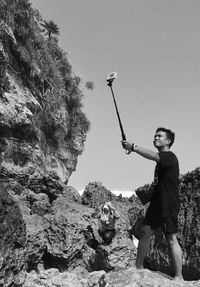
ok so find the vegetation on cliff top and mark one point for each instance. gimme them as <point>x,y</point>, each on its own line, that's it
<point>43,67</point>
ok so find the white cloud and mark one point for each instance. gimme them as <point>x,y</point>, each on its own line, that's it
<point>123,193</point>
<point>117,192</point>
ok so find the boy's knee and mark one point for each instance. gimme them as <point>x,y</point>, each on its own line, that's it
<point>171,238</point>
<point>172,241</point>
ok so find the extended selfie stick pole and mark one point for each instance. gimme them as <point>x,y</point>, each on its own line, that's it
<point>110,80</point>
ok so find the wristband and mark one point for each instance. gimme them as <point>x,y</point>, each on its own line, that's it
<point>133,147</point>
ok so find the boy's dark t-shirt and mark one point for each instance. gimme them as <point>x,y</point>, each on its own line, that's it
<point>165,201</point>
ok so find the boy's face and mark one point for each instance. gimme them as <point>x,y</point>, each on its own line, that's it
<point>161,140</point>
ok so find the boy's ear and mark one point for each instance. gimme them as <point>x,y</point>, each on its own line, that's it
<point>169,141</point>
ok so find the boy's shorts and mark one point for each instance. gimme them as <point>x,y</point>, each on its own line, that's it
<point>169,225</point>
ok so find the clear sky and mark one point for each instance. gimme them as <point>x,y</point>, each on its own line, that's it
<point>154,46</point>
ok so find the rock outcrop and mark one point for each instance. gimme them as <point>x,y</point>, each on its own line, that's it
<point>130,277</point>
<point>189,230</point>
<point>54,240</point>
<point>133,277</point>
<point>43,230</point>
<point>40,100</point>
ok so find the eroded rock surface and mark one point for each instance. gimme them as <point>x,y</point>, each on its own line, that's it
<point>189,230</point>
<point>55,233</point>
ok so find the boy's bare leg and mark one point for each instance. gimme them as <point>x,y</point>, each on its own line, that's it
<point>176,255</point>
<point>143,245</point>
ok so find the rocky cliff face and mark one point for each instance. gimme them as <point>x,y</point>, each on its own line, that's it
<point>29,148</point>
<point>40,99</point>
<point>42,122</point>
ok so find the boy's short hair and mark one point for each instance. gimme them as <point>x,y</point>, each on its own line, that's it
<point>170,134</point>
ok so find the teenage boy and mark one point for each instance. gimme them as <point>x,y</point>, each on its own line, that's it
<point>165,202</point>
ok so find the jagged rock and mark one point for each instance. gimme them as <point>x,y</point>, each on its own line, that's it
<point>41,205</point>
<point>53,278</point>
<point>48,184</point>
<point>95,279</point>
<point>133,277</point>
<point>39,157</point>
<point>120,254</point>
<point>57,234</point>
<point>130,277</point>
<point>28,108</point>
<point>66,241</point>
<point>12,241</point>
<point>2,57</point>
<point>96,194</point>
<point>188,235</point>
<point>189,219</point>
<point>20,121</point>
<point>3,65</point>
<point>7,33</point>
<point>72,193</point>
<point>136,216</point>
<point>36,240</point>
<point>34,232</point>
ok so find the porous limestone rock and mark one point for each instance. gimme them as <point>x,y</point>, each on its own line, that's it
<point>188,233</point>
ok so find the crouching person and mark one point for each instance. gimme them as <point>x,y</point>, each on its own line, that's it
<point>107,220</point>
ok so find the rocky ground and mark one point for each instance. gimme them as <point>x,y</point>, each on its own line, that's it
<point>56,244</point>
<point>123,278</point>
<point>144,278</point>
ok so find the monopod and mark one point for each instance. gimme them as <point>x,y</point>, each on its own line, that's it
<point>111,77</point>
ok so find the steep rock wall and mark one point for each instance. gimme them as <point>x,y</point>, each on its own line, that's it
<point>40,99</point>
<point>28,146</point>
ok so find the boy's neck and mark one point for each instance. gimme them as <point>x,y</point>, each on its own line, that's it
<point>164,148</point>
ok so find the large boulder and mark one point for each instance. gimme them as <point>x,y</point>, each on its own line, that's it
<point>120,254</point>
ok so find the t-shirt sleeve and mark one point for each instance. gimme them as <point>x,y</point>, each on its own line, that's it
<point>166,159</point>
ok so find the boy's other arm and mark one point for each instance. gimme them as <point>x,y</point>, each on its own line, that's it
<point>144,152</point>
<point>147,153</point>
